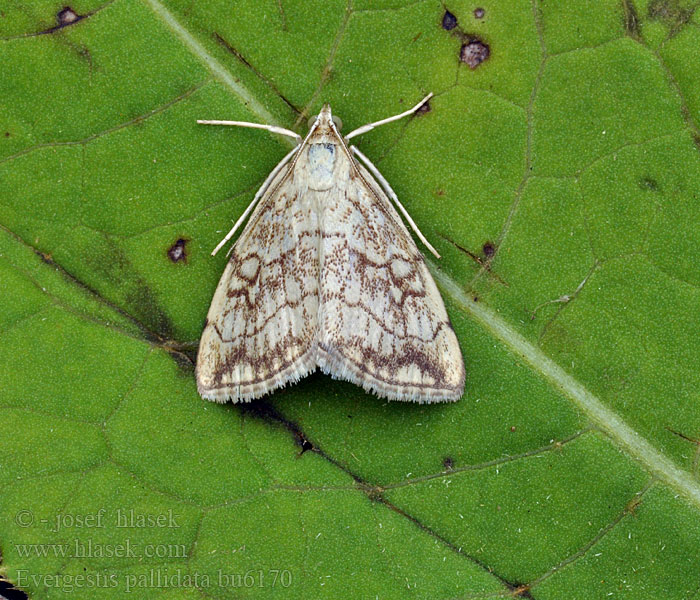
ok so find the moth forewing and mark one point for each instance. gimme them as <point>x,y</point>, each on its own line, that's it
<point>325,274</point>
<point>262,321</point>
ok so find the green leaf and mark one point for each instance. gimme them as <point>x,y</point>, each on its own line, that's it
<point>559,179</point>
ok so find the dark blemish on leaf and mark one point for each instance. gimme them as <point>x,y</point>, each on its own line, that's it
<point>671,14</point>
<point>417,36</point>
<point>512,429</point>
<point>520,590</point>
<point>474,53</point>
<point>484,264</point>
<point>144,302</point>
<point>131,292</point>
<point>488,249</point>
<point>265,411</point>
<point>373,492</point>
<point>448,463</point>
<point>647,183</point>
<point>449,21</point>
<point>92,260</point>
<point>7,134</point>
<point>479,13</point>
<point>424,108</point>
<point>64,18</point>
<point>476,298</point>
<point>67,16</point>
<point>184,360</point>
<point>631,20</point>
<point>632,505</point>
<point>659,10</point>
<point>177,252</point>
<point>469,253</point>
<point>305,445</point>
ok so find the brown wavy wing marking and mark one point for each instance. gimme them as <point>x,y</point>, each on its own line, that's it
<point>261,326</point>
<point>382,322</point>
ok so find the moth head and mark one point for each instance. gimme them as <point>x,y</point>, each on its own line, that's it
<point>325,117</point>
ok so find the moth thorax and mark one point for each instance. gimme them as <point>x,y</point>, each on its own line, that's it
<point>322,165</point>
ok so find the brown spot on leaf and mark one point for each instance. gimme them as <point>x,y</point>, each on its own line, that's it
<point>521,590</point>
<point>424,108</point>
<point>67,16</point>
<point>177,252</point>
<point>474,53</point>
<point>512,429</point>
<point>632,505</point>
<point>488,249</point>
<point>305,444</point>
<point>449,21</point>
<point>373,492</point>
<point>479,13</point>
<point>671,13</point>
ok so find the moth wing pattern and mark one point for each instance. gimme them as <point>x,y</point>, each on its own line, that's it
<point>326,274</point>
<point>261,327</point>
<point>382,321</point>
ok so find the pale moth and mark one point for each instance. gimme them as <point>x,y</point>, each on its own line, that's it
<point>326,275</point>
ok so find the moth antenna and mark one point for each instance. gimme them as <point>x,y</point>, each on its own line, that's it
<point>270,128</point>
<point>370,126</point>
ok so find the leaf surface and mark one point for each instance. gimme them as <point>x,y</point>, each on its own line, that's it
<point>559,179</point>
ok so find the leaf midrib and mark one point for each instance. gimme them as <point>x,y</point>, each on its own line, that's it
<point>600,415</point>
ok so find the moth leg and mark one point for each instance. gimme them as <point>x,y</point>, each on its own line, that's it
<point>370,126</point>
<point>258,195</point>
<point>387,188</point>
<point>270,128</point>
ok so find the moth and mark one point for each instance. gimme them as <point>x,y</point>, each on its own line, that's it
<point>326,275</point>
